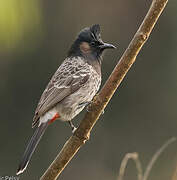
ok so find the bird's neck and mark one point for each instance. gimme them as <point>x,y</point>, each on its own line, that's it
<point>97,67</point>
<point>94,61</point>
<point>92,58</point>
<point>74,50</point>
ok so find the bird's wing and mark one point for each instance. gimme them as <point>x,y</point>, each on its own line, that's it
<point>68,78</point>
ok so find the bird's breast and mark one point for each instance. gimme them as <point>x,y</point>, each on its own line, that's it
<point>68,107</point>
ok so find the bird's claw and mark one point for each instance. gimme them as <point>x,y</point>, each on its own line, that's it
<point>73,129</point>
<point>85,104</point>
<point>87,108</point>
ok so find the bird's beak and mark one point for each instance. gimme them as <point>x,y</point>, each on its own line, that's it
<point>107,46</point>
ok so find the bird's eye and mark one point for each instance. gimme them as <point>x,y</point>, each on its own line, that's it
<point>93,43</point>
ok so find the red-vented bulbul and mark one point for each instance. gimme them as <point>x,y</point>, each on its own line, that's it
<point>71,88</point>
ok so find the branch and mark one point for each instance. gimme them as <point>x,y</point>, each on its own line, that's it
<point>82,133</point>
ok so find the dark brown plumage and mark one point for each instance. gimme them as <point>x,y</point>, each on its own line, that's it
<point>74,85</point>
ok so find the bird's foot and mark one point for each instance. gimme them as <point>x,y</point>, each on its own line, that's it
<point>87,107</point>
<point>84,104</point>
<point>73,128</point>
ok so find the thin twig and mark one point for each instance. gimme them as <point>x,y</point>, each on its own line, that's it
<point>134,156</point>
<point>101,100</point>
<point>156,156</point>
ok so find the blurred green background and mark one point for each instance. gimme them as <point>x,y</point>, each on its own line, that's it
<point>34,39</point>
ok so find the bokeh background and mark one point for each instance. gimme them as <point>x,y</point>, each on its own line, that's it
<point>34,39</point>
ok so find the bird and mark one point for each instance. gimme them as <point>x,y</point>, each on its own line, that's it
<point>71,88</point>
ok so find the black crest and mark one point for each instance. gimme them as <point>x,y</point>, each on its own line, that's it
<point>95,31</point>
<point>90,33</point>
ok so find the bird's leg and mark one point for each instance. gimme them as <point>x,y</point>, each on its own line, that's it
<point>73,128</point>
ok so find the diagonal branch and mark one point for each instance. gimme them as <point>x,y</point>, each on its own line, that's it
<point>101,100</point>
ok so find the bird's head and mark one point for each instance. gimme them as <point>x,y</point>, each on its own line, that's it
<point>89,43</point>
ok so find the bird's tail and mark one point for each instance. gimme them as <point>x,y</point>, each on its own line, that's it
<point>31,147</point>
